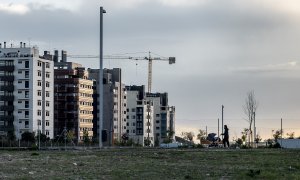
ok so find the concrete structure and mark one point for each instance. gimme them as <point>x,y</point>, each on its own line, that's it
<point>163,114</point>
<point>73,99</point>
<point>140,121</point>
<point>289,143</point>
<point>115,103</point>
<point>26,91</point>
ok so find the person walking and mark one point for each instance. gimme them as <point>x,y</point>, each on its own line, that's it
<point>226,136</point>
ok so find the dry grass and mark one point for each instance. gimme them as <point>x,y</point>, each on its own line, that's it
<point>151,164</point>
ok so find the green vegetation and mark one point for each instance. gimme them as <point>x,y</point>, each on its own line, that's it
<point>146,163</point>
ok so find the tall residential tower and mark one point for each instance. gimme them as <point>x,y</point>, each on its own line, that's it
<point>26,91</point>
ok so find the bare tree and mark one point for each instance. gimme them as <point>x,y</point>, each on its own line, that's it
<point>249,109</point>
<point>201,135</point>
<point>188,136</point>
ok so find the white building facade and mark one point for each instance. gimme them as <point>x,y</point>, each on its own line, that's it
<point>26,93</point>
<point>140,121</point>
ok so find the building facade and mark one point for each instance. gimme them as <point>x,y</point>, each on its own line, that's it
<point>164,117</point>
<point>140,121</point>
<point>26,91</point>
<point>73,98</point>
<point>115,103</point>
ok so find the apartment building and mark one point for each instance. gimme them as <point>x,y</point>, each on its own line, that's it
<point>140,121</point>
<point>26,91</point>
<point>114,106</point>
<point>73,108</point>
<point>163,114</point>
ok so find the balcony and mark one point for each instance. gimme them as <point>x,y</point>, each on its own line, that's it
<point>9,88</point>
<point>7,98</point>
<point>7,118</point>
<point>7,78</point>
<point>7,68</point>
<point>6,108</point>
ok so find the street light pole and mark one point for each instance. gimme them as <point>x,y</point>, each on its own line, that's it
<point>102,11</point>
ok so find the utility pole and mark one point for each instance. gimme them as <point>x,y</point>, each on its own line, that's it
<point>102,11</point>
<point>222,119</point>
<point>206,130</point>
<point>254,127</point>
<point>281,132</point>
<point>218,128</point>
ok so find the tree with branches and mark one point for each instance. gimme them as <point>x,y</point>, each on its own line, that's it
<point>250,108</point>
<point>201,135</point>
<point>188,136</point>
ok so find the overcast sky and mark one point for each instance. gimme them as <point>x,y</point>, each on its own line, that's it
<point>223,48</point>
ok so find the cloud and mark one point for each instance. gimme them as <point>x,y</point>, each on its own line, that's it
<point>19,9</point>
<point>182,2</point>
<point>289,66</point>
<point>23,7</point>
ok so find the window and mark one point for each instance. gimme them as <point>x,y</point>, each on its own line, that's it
<point>26,114</point>
<point>47,133</point>
<point>39,103</point>
<point>39,63</point>
<point>39,122</point>
<point>26,124</point>
<point>47,84</point>
<point>26,104</point>
<point>47,65</point>
<point>133,124</point>
<point>39,93</point>
<point>19,102</point>
<point>26,84</point>
<point>157,115</point>
<point>19,92</point>
<point>47,103</point>
<point>26,94</point>
<point>39,83</point>
<point>47,113</point>
<point>39,73</point>
<point>47,123</point>
<point>47,94</point>
<point>133,110</point>
<point>26,74</point>
<point>19,61</point>
<point>39,112</point>
<point>26,64</point>
<point>19,72</point>
<point>20,82</point>
<point>133,117</point>
<point>47,75</point>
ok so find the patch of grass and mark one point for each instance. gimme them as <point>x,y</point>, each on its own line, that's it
<point>151,164</point>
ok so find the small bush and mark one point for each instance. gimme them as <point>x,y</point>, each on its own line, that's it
<point>34,154</point>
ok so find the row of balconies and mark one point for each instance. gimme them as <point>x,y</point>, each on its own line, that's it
<point>7,118</point>
<point>7,98</point>
<point>7,78</point>
<point>9,88</point>
<point>7,68</point>
<point>6,108</point>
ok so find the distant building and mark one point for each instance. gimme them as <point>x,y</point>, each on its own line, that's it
<point>140,121</point>
<point>73,99</point>
<point>26,91</point>
<point>164,116</point>
<point>115,103</point>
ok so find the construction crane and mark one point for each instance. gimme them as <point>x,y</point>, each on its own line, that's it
<point>148,58</point>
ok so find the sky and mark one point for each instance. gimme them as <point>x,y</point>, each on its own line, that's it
<point>223,50</point>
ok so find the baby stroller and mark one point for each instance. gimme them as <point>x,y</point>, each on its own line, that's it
<point>213,139</point>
